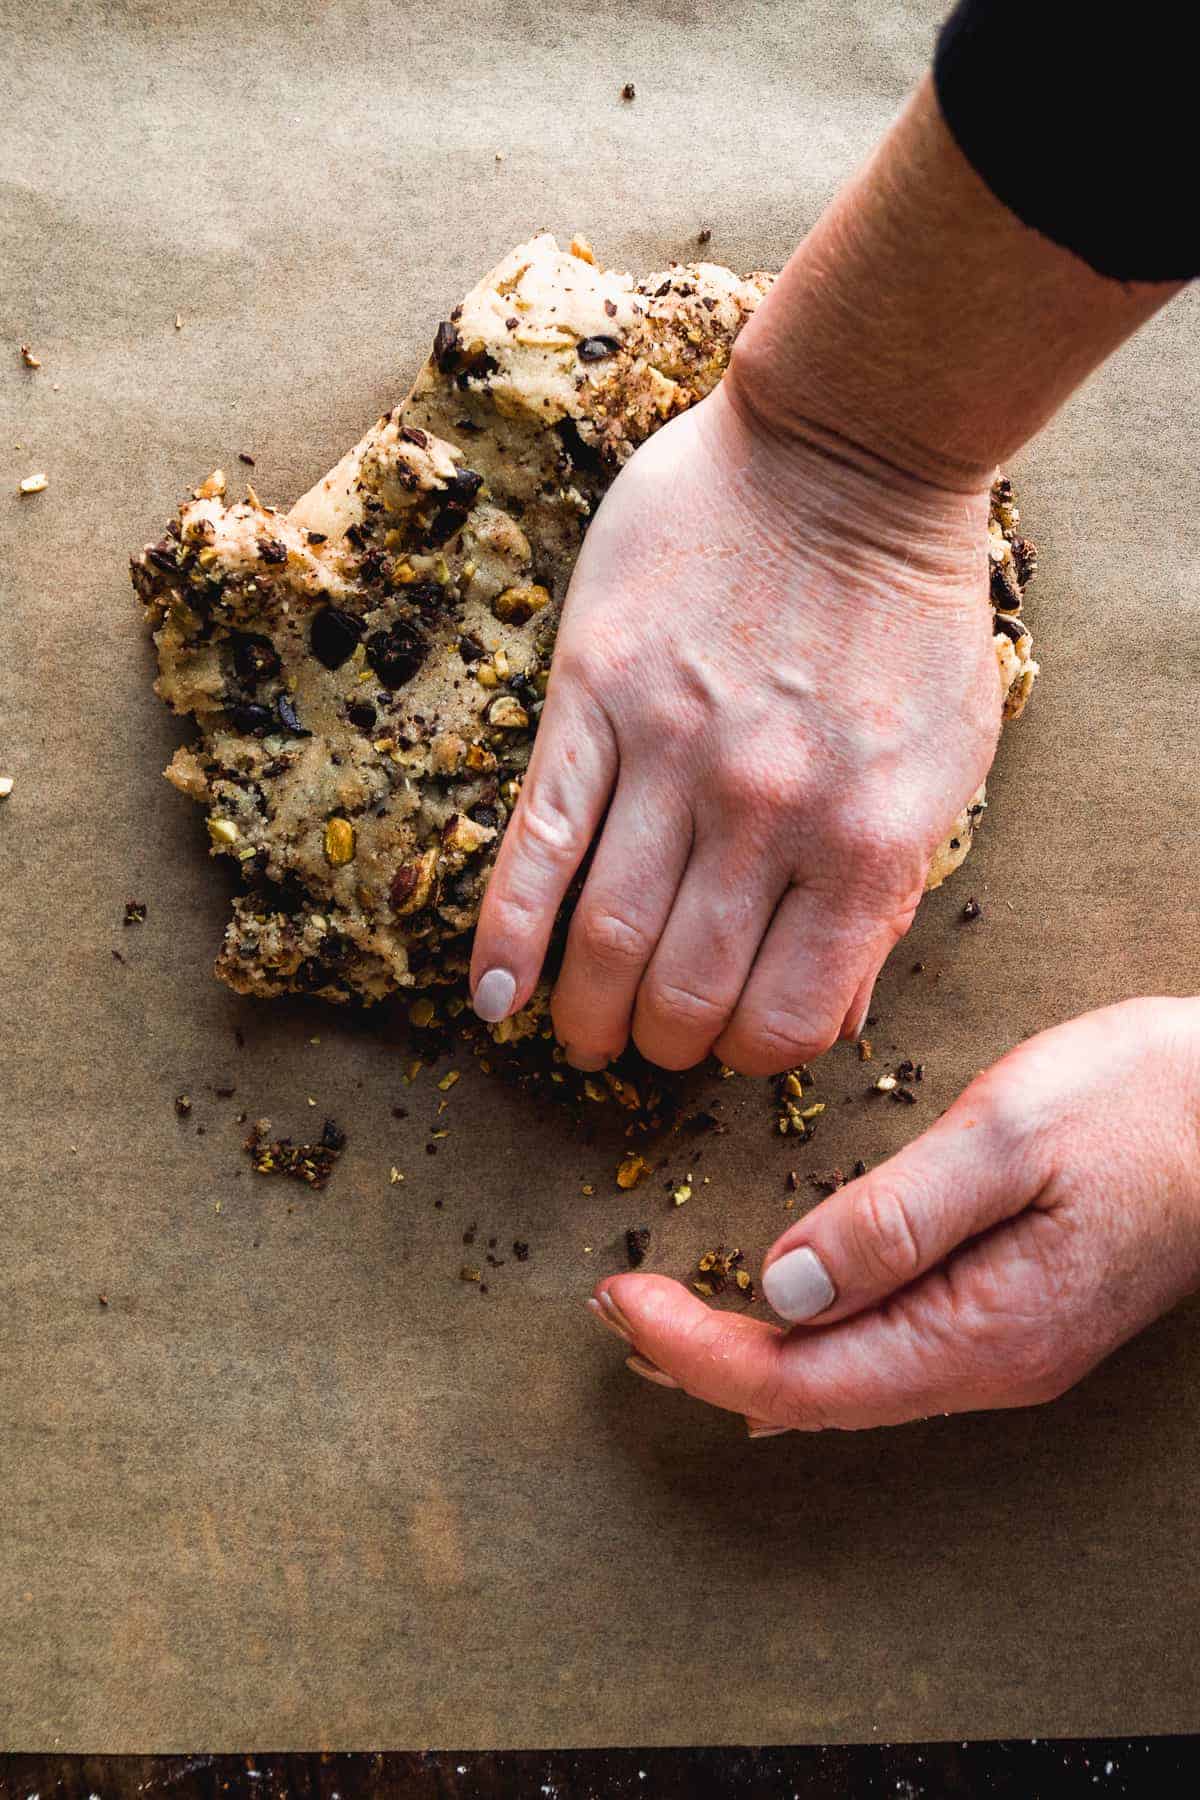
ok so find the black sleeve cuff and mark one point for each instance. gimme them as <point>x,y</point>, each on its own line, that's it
<point>1079,120</point>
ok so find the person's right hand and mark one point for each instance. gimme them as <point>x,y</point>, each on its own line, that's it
<point>773,691</point>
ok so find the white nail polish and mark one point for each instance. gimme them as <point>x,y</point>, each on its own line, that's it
<point>797,1285</point>
<point>494,994</point>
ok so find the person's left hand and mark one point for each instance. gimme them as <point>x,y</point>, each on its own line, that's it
<point>1052,1212</point>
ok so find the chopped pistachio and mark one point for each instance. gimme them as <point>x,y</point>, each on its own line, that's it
<point>223,831</point>
<point>631,1169</point>
<point>813,1111</point>
<point>486,676</point>
<point>394,1175</point>
<point>422,1012</point>
<point>339,842</point>
<point>33,484</point>
<point>681,1194</point>
<point>448,1080</point>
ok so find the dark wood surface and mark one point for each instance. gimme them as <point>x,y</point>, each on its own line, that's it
<point>1111,1768</point>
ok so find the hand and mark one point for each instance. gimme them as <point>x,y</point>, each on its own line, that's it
<point>774,688</point>
<point>1048,1215</point>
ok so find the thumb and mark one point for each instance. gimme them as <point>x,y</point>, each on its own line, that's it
<point>563,797</point>
<point>876,1235</point>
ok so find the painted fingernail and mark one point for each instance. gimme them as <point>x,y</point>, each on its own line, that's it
<point>494,994</point>
<point>650,1371</point>
<point>797,1285</point>
<point>609,1322</point>
<point>756,1430</point>
<point>616,1315</point>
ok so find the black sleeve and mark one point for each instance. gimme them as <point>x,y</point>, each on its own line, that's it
<point>1084,121</point>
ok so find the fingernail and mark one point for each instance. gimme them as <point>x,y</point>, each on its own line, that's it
<point>494,994</point>
<point>755,1430</point>
<point>610,1307</point>
<point>609,1323</point>
<point>650,1371</point>
<point>797,1285</point>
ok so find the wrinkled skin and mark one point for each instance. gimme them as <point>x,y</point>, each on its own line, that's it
<point>1051,1213</point>
<point>773,690</point>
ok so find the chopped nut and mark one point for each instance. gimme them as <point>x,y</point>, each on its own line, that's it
<point>865,1052</point>
<point>507,714</point>
<point>6,786</point>
<point>339,842</point>
<point>486,676</point>
<point>885,1084</point>
<point>394,1175</point>
<point>681,1194</point>
<point>422,1012</point>
<point>413,883</point>
<point>469,1273</point>
<point>448,1080</point>
<point>631,1169</point>
<point>518,604</point>
<point>582,249</point>
<point>183,1105</point>
<point>33,484</point>
<point>29,359</point>
<point>213,488</point>
<point>222,831</point>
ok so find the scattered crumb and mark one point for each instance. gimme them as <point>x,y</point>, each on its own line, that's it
<point>865,1051</point>
<point>183,1105</point>
<point>135,912</point>
<point>499,156</point>
<point>29,359</point>
<point>103,1299</point>
<point>469,1273</point>
<point>631,1169</point>
<point>6,786</point>
<point>394,1175</point>
<point>637,1242</point>
<point>178,322</point>
<point>885,1084</point>
<point>972,910</point>
<point>629,92</point>
<point>520,1250</point>
<point>245,456</point>
<point>717,1268</point>
<point>311,1163</point>
<point>33,484</point>
<point>681,1194</point>
<point>704,235</point>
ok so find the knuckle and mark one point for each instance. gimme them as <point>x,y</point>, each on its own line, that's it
<point>544,830</point>
<point>778,1040</point>
<point>671,1005</point>
<point>606,937</point>
<point>883,1234</point>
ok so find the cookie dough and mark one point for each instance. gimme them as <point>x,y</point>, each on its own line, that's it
<point>366,671</point>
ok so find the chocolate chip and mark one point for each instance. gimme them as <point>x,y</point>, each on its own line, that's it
<point>317,537</point>
<point>470,648</point>
<point>483,814</point>
<point>446,347</point>
<point>413,435</point>
<point>362,714</point>
<point>1011,627</point>
<point>333,635</point>
<point>288,717</point>
<point>1006,594</point>
<point>255,659</point>
<point>249,716</point>
<point>704,236</point>
<point>397,653</point>
<point>272,551</point>
<point>162,560</point>
<point>595,349</point>
<point>463,486</point>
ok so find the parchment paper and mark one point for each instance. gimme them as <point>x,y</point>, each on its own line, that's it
<point>297,1485</point>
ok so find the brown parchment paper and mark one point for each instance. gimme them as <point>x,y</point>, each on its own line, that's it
<point>296,1485</point>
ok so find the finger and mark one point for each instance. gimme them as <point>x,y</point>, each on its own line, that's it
<point>951,1343</point>
<point>625,903</point>
<point>808,970</point>
<point>882,1232</point>
<point>563,798</point>
<point>706,950</point>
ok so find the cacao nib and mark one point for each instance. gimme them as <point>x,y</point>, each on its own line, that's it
<point>272,551</point>
<point>249,716</point>
<point>333,635</point>
<point>288,717</point>
<point>463,486</point>
<point>255,659</point>
<point>362,714</point>
<point>397,653</point>
<point>446,347</point>
<point>470,648</point>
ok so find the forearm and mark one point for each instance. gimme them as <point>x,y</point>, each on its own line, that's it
<point>922,323</point>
